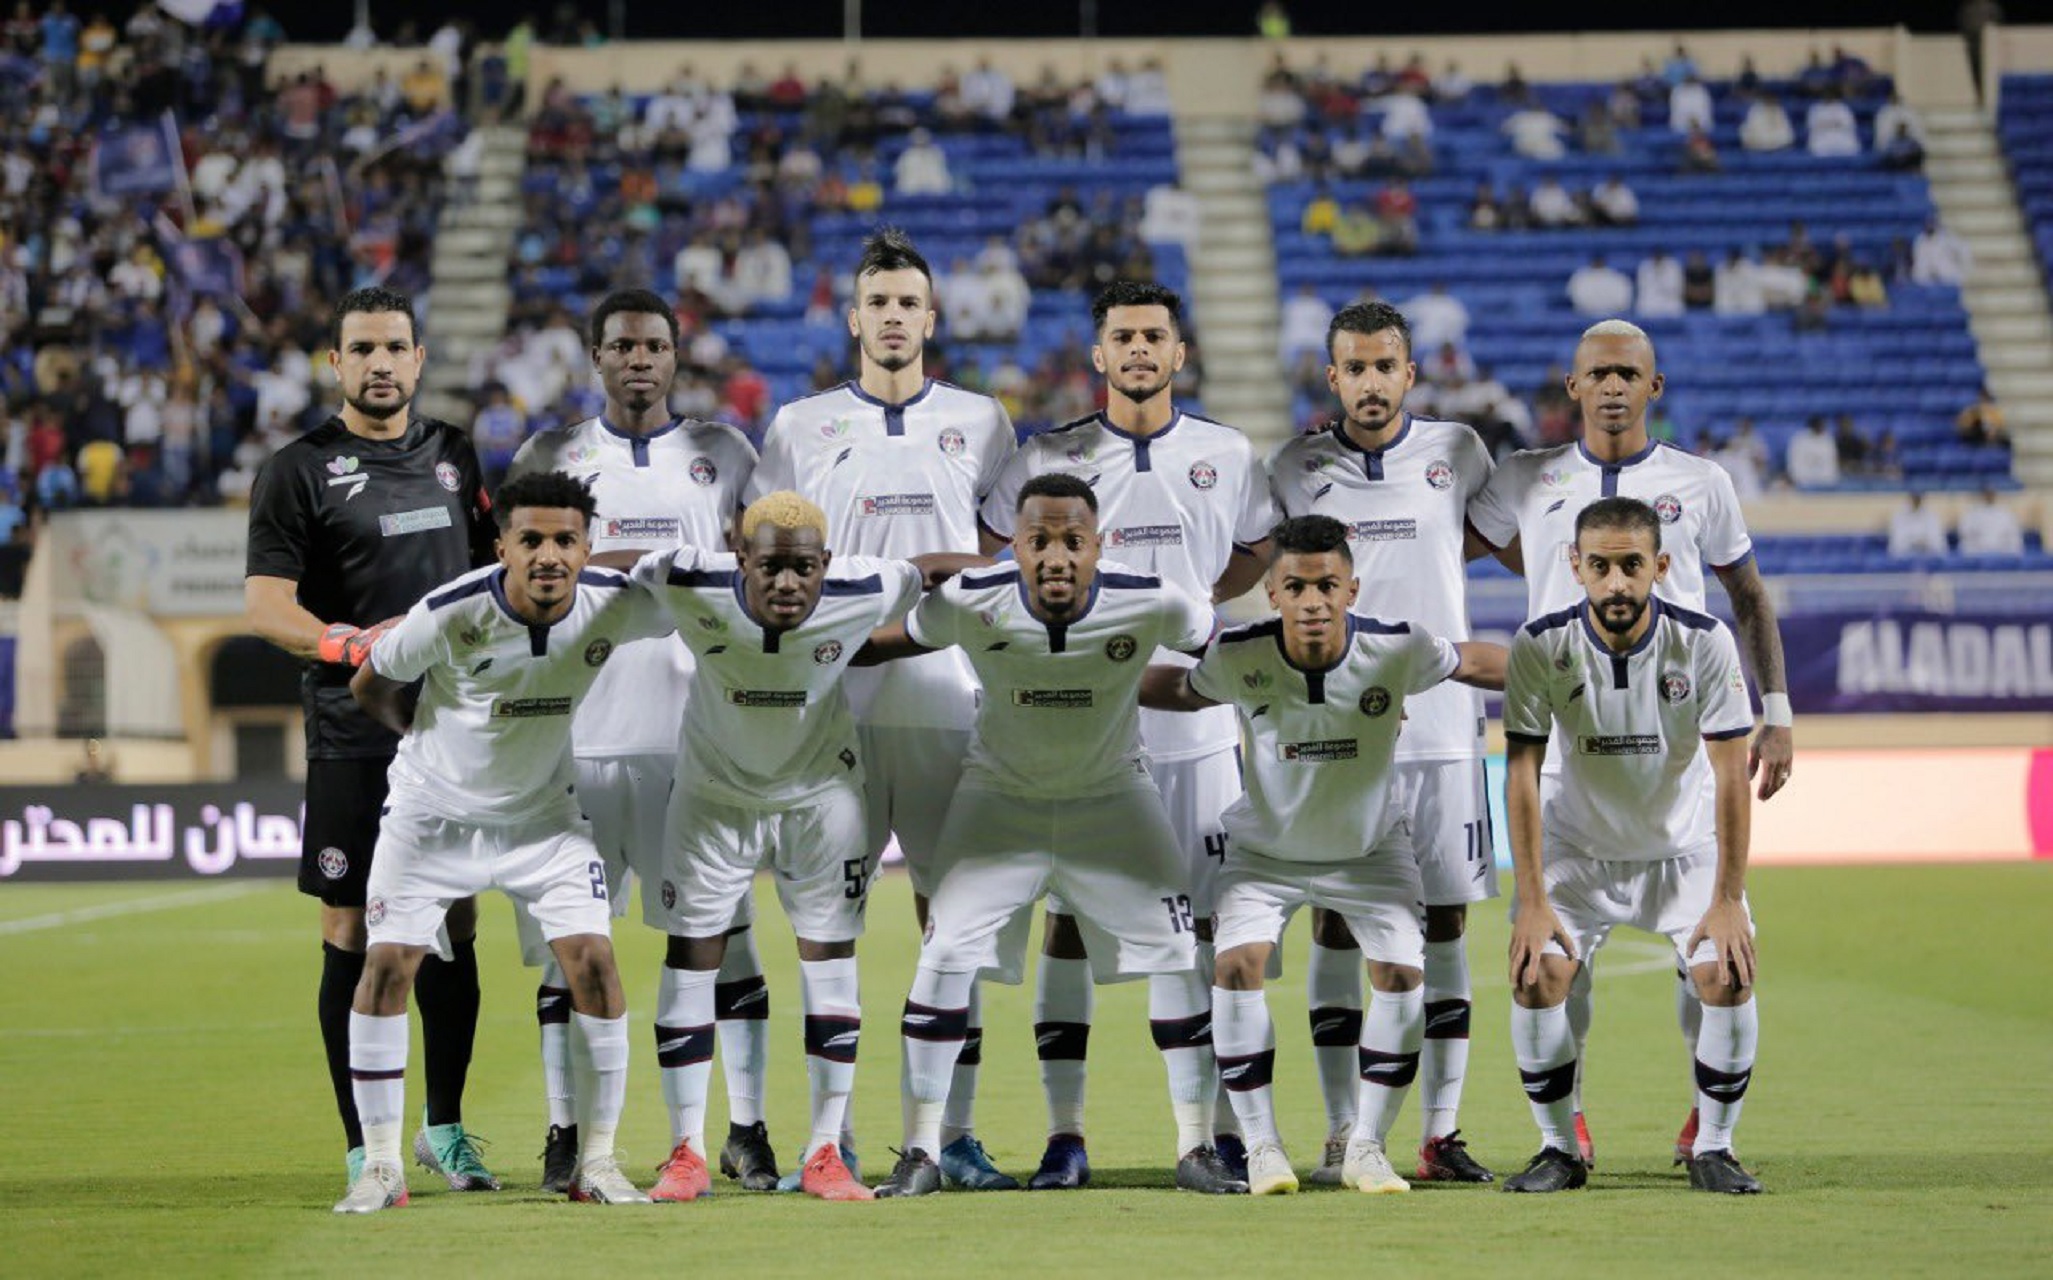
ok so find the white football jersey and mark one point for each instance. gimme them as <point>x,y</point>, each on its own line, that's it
<point>1173,504</point>
<point>895,481</point>
<point>1537,494</point>
<point>678,486</point>
<point>1635,784</point>
<point>1061,711</point>
<point>1405,507</point>
<point>1323,741</point>
<point>767,725</point>
<point>491,734</point>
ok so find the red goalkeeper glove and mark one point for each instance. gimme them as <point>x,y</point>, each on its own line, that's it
<point>348,646</point>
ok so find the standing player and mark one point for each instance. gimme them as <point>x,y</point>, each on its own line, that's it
<point>1401,486</point>
<point>660,482</point>
<point>352,523</point>
<point>769,778</point>
<point>483,796</point>
<point>1322,692</point>
<point>1646,827</point>
<point>1183,497</point>
<point>1057,797</point>
<point>1529,510</point>
<point>898,461</point>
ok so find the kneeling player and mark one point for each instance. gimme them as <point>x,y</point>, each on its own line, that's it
<point>1321,691</point>
<point>481,797</point>
<point>1648,828</point>
<point>769,778</point>
<point>1056,798</point>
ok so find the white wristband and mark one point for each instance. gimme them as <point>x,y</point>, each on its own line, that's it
<point>1775,712</point>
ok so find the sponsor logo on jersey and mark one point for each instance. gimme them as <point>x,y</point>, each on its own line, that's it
<point>1317,462</point>
<point>836,429</point>
<point>953,443</point>
<point>896,504</point>
<point>767,697</point>
<point>481,668</point>
<point>1674,686</point>
<point>642,528</point>
<point>847,759</point>
<point>1375,700</point>
<point>1619,744</point>
<point>598,651</point>
<point>1738,681</point>
<point>1668,507</point>
<point>1317,752</point>
<point>1322,491</point>
<point>346,473</point>
<point>400,523</point>
<point>578,455</point>
<point>707,622</point>
<point>1556,505</point>
<point>1052,699</point>
<point>1146,535</point>
<point>1257,679</point>
<point>1439,474</point>
<point>527,708</point>
<point>1121,647</point>
<point>843,456</point>
<point>703,471</point>
<point>333,862</point>
<point>1383,530</point>
<point>669,895</point>
<point>470,637</point>
<point>1555,476</point>
<point>1081,451</point>
<point>827,654</point>
<point>447,474</point>
<point>1203,475</point>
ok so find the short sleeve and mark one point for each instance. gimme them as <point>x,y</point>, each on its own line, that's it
<point>936,621</point>
<point>1494,508</point>
<point>484,530</point>
<point>776,470</point>
<point>1283,490</point>
<point>1187,624</point>
<point>1722,539</point>
<point>1213,676</point>
<point>1723,710</point>
<point>407,651</point>
<point>280,523</point>
<point>997,510</point>
<point>1473,465</point>
<point>533,456</point>
<point>1004,447</point>
<point>1257,507</point>
<point>738,470</point>
<point>652,571</point>
<point>1431,660</point>
<point>1528,714</point>
<point>903,583</point>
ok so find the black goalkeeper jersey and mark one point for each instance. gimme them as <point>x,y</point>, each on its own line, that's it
<point>366,528</point>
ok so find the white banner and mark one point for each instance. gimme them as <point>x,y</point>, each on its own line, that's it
<point>164,563</point>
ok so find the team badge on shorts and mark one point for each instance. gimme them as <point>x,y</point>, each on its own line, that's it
<point>1674,686</point>
<point>374,911</point>
<point>1375,700</point>
<point>1439,474</point>
<point>1203,475</point>
<point>703,471</point>
<point>333,862</point>
<point>952,443</point>
<point>827,654</point>
<point>446,473</point>
<point>1668,507</point>
<point>1120,648</point>
<point>669,895</point>
<point>598,651</point>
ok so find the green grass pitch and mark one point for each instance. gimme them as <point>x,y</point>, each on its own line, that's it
<point>166,1113</point>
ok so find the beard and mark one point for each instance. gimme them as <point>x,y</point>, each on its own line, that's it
<point>893,361</point>
<point>1609,621</point>
<point>1141,392</point>
<point>364,405</point>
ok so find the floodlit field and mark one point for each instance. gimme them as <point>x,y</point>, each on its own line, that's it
<point>167,1113</point>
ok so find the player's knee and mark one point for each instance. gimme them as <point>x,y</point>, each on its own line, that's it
<point>388,978</point>
<point>1062,939</point>
<point>812,952</point>
<point>343,929</point>
<point>1329,930</point>
<point>1242,968</point>
<point>1557,974</point>
<point>695,953</point>
<point>587,960</point>
<point>1395,979</point>
<point>1446,924</point>
<point>1719,988</point>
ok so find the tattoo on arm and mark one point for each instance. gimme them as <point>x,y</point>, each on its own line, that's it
<point>1759,634</point>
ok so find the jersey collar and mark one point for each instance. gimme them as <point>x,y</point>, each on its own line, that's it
<point>894,414</point>
<point>1058,632</point>
<point>538,633</point>
<point>1142,461</point>
<point>1315,677</point>
<point>639,445</point>
<point>1372,459</point>
<point>1630,460</point>
<point>1621,662</point>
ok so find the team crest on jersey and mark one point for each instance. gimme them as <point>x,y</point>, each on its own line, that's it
<point>1674,686</point>
<point>827,654</point>
<point>374,912</point>
<point>447,474</point>
<point>1375,700</point>
<point>1121,647</point>
<point>1439,474</point>
<point>953,443</point>
<point>1668,507</point>
<point>1203,475</point>
<point>703,471</point>
<point>669,895</point>
<point>598,651</point>
<point>836,429</point>
<point>334,863</point>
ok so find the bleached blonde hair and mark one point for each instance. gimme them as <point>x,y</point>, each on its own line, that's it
<point>1616,329</point>
<point>783,510</point>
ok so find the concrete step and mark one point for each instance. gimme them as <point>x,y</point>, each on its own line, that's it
<point>1951,169</point>
<point>1993,220</point>
<point>1951,145</point>
<point>496,216</point>
<point>1223,182</point>
<point>1252,344</point>
<point>1238,258</point>
<point>2022,328</point>
<point>2024,357</point>
<point>1253,313</point>
<point>467,270</point>
<point>1964,196</point>
<point>1235,231</point>
<point>2027,385</point>
<point>1997,297</point>
<point>463,240</point>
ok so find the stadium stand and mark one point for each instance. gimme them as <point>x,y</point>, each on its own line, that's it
<point>1841,243</point>
<point>2025,126</point>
